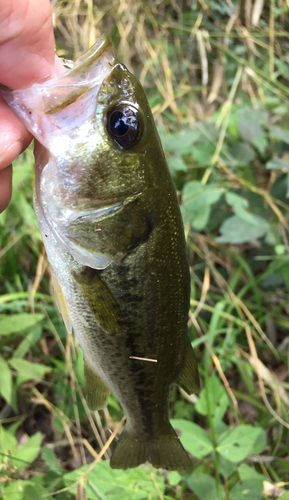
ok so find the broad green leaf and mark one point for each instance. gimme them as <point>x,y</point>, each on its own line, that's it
<point>279,164</point>
<point>176,164</point>
<point>260,444</point>
<point>5,381</point>
<point>249,129</point>
<point>198,219</point>
<point>52,462</point>
<point>174,477</point>
<point>203,153</point>
<point>248,489</point>
<point>29,451</point>
<point>205,486</point>
<point>239,205</point>
<point>237,443</point>
<point>8,444</point>
<point>196,202</point>
<point>242,153</point>
<point>14,491</point>
<point>261,143</point>
<point>35,492</point>
<point>27,370</point>
<point>227,468</point>
<point>235,230</point>
<point>117,484</point>
<point>247,472</point>
<point>181,143</point>
<point>193,438</point>
<point>279,133</point>
<point>260,115</point>
<point>218,399</point>
<point>18,323</point>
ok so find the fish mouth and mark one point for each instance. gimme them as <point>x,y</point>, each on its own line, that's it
<point>88,71</point>
<point>42,107</point>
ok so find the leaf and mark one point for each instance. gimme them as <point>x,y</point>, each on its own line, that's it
<point>180,143</point>
<point>260,444</point>
<point>18,322</point>
<point>14,491</point>
<point>205,486</point>
<point>28,341</point>
<point>5,381</point>
<point>242,153</point>
<point>249,129</point>
<point>117,484</point>
<point>193,438</point>
<point>235,230</point>
<point>248,489</point>
<point>196,202</point>
<point>174,477</point>
<point>237,443</point>
<point>29,451</point>
<point>176,164</point>
<point>48,456</point>
<point>279,133</point>
<point>279,164</point>
<point>260,115</point>
<point>8,443</point>
<point>218,399</point>
<point>247,472</point>
<point>27,370</point>
<point>203,153</point>
<point>239,205</point>
<point>227,468</point>
<point>261,143</point>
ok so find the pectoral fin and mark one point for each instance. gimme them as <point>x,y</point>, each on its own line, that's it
<point>100,300</point>
<point>96,392</point>
<point>61,303</point>
<point>188,378</point>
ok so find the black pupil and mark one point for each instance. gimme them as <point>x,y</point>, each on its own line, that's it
<point>119,124</point>
<point>123,125</point>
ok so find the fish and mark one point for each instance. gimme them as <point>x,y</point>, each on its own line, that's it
<point>110,220</point>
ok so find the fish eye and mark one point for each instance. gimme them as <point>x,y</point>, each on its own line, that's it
<point>124,125</point>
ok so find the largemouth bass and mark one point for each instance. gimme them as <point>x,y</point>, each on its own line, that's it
<point>110,221</point>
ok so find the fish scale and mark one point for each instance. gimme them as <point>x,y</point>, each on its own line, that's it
<point>111,224</point>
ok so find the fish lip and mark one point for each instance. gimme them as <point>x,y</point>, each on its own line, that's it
<point>35,105</point>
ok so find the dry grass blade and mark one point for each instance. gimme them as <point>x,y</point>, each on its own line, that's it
<point>260,379</point>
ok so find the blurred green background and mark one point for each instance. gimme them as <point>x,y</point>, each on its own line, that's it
<point>216,76</point>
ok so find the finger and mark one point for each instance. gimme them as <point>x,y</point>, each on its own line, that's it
<point>14,137</point>
<point>27,46</point>
<point>5,187</point>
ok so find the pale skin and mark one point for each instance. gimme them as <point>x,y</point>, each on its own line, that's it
<point>27,56</point>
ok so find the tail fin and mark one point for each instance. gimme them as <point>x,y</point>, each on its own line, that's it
<point>165,452</point>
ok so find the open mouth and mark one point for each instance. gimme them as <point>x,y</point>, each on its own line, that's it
<point>42,107</point>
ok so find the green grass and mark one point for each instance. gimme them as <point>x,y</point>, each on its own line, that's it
<point>217,84</point>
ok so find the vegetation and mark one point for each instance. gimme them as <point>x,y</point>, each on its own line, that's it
<point>216,77</point>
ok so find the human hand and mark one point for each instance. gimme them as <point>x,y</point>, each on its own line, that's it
<point>27,56</point>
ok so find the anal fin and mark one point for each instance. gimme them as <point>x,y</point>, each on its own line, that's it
<point>96,391</point>
<point>188,379</point>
